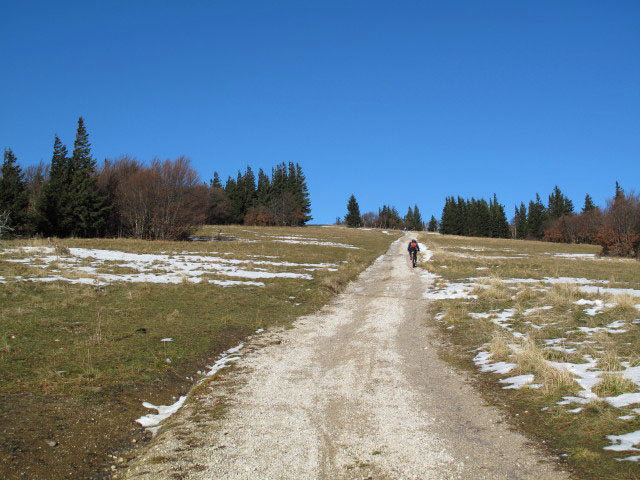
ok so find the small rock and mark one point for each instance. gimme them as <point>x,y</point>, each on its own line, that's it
<point>113,467</point>
<point>133,441</point>
<point>52,443</point>
<point>120,460</point>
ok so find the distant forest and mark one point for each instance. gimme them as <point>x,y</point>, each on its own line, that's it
<point>387,217</point>
<point>616,227</point>
<point>71,196</point>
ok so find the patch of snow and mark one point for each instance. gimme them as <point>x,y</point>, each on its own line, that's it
<point>485,365</point>
<point>315,242</point>
<point>624,442</point>
<point>151,421</point>
<point>575,255</point>
<point>168,339</point>
<point>518,381</point>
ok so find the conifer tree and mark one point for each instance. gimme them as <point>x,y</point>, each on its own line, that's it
<point>418,224</point>
<point>352,219</point>
<point>14,198</point>
<point>535,218</point>
<point>619,191</point>
<point>408,219</point>
<point>53,204</point>
<point>499,225</point>
<point>301,195</point>
<point>235,198</point>
<point>588,204</point>
<point>433,224</point>
<point>216,181</point>
<point>521,221</point>
<point>559,205</point>
<point>88,209</point>
<point>263,192</point>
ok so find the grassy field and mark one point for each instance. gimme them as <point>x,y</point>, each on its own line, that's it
<point>554,332</point>
<point>92,328</point>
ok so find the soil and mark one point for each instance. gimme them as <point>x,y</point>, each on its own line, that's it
<point>56,437</point>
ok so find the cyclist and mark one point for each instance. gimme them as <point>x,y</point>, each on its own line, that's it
<point>413,249</point>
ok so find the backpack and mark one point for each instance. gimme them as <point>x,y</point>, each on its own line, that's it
<point>414,245</point>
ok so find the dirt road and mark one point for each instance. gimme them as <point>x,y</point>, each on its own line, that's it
<point>354,391</point>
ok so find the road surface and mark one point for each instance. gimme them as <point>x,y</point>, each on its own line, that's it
<point>354,391</point>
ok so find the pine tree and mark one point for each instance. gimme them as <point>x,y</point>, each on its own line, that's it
<point>535,218</point>
<point>588,204</point>
<point>433,224</point>
<point>418,224</point>
<point>53,204</point>
<point>263,192</point>
<point>216,181</point>
<point>14,198</point>
<point>499,224</point>
<point>521,221</point>
<point>235,198</point>
<point>301,195</point>
<point>408,219</point>
<point>619,191</point>
<point>352,219</point>
<point>559,205</point>
<point>88,209</point>
<point>446,219</point>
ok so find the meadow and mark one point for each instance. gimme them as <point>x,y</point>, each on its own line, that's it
<point>92,328</point>
<point>552,333</point>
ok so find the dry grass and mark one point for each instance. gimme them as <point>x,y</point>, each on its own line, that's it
<point>562,295</point>
<point>614,384</point>
<point>626,302</point>
<point>499,346</point>
<point>609,361</point>
<point>493,289</point>
<point>530,358</point>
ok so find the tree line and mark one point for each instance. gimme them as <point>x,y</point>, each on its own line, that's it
<point>476,218</point>
<point>166,199</point>
<point>387,217</point>
<point>616,227</point>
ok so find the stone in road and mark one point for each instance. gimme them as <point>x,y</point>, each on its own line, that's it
<point>354,391</point>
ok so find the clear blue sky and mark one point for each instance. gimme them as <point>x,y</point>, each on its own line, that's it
<point>396,102</point>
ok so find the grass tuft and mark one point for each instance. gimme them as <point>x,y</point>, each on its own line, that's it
<point>614,384</point>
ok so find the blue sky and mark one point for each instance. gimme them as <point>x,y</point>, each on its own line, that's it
<point>397,102</point>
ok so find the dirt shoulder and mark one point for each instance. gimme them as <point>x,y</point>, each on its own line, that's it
<point>354,391</point>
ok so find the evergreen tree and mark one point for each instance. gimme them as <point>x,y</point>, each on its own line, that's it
<point>418,224</point>
<point>521,221</point>
<point>88,209</point>
<point>433,224</point>
<point>14,198</point>
<point>301,195</point>
<point>216,181</point>
<point>619,191</point>
<point>446,219</point>
<point>559,205</point>
<point>263,192</point>
<point>499,224</point>
<point>352,219</point>
<point>535,218</point>
<point>236,200</point>
<point>408,219</point>
<point>53,205</point>
<point>588,204</point>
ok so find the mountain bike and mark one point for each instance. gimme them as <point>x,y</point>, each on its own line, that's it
<point>414,257</point>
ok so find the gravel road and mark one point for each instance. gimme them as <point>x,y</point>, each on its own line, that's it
<point>354,391</point>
